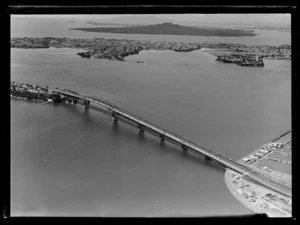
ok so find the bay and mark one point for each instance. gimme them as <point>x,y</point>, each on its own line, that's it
<point>69,162</point>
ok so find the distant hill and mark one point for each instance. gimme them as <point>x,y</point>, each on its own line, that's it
<point>141,20</point>
<point>170,29</point>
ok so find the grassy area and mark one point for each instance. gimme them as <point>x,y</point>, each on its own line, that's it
<point>277,166</point>
<point>277,155</point>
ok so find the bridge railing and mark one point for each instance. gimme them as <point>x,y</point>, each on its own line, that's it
<point>104,101</point>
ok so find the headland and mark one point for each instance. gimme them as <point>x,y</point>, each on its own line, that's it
<point>118,49</point>
<point>274,160</point>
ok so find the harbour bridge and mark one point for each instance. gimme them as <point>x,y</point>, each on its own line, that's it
<point>142,125</point>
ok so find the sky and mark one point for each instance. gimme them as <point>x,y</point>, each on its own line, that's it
<point>242,19</point>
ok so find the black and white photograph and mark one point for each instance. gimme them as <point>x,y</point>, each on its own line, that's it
<point>165,114</point>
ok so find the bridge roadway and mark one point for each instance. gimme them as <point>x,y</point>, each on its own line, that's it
<point>186,144</point>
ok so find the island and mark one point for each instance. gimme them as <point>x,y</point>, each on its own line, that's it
<point>118,49</point>
<point>171,29</point>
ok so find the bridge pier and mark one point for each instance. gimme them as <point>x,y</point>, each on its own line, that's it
<point>141,128</point>
<point>162,137</point>
<point>183,147</point>
<point>86,104</point>
<point>115,117</point>
<point>207,157</point>
<point>118,114</point>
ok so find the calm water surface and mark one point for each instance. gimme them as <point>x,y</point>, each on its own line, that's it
<point>71,162</point>
<point>58,27</point>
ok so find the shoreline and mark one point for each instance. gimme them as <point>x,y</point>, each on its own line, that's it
<point>235,193</point>
<point>255,196</point>
<point>115,49</point>
<point>235,182</point>
<point>258,203</point>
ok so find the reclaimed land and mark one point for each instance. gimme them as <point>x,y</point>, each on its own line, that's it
<point>256,197</point>
<point>170,29</point>
<point>118,49</point>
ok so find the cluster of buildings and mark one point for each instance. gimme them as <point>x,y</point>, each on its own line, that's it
<point>266,51</point>
<point>115,49</point>
<point>263,151</point>
<point>118,49</point>
<point>29,91</point>
<point>273,146</point>
<point>257,155</point>
<point>242,59</point>
<point>272,198</point>
<point>260,198</point>
<point>29,43</point>
<point>207,44</point>
<point>33,92</point>
<point>250,195</point>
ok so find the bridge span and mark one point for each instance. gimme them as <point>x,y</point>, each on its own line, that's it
<point>165,135</point>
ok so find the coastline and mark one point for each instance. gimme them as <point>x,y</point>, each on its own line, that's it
<point>258,203</point>
<point>230,185</point>
<point>114,49</point>
<point>257,197</point>
<point>235,193</point>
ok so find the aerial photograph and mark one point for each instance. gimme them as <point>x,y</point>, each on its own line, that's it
<point>150,115</point>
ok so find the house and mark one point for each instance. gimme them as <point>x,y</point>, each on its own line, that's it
<point>245,159</point>
<point>263,151</point>
<point>253,157</point>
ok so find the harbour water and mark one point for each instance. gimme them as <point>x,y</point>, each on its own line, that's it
<point>58,27</point>
<point>69,162</point>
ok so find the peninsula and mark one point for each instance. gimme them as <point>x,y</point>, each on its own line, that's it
<point>113,49</point>
<point>118,49</point>
<point>170,29</point>
<point>274,160</point>
<point>242,60</point>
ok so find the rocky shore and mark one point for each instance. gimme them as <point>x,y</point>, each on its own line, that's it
<point>242,59</point>
<point>118,49</point>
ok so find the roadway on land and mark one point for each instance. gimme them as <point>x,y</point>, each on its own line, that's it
<point>228,163</point>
